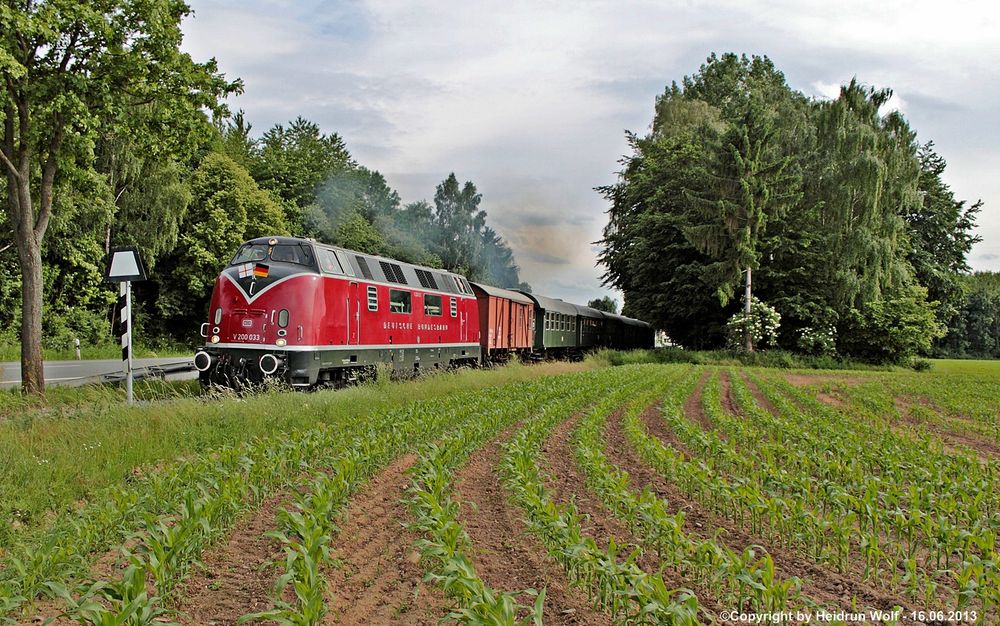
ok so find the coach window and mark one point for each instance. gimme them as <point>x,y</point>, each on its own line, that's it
<point>328,261</point>
<point>399,301</point>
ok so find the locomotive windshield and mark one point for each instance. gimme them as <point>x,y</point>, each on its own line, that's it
<point>299,254</point>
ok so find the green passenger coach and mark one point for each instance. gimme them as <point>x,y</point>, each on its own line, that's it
<point>555,325</point>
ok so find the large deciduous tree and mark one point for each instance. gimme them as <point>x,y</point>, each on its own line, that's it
<point>829,200</point>
<point>69,69</point>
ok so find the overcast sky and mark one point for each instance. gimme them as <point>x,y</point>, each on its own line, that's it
<point>530,100</point>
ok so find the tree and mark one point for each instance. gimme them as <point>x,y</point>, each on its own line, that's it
<point>820,200</point>
<point>749,185</point>
<point>460,223</point>
<point>228,207</point>
<point>644,249</point>
<point>974,326</point>
<point>497,260</point>
<point>295,161</point>
<point>893,329</point>
<point>607,303</point>
<point>940,232</point>
<point>68,68</point>
<point>234,139</point>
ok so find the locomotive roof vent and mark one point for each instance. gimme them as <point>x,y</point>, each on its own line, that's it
<point>426,279</point>
<point>393,273</point>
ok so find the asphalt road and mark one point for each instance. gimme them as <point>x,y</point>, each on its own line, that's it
<point>82,372</point>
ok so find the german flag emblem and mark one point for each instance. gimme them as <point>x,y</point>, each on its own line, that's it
<point>260,270</point>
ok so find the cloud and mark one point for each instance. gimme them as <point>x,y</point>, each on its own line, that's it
<point>530,100</point>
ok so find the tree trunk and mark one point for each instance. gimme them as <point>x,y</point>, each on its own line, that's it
<point>32,287</point>
<point>746,309</point>
<point>28,233</point>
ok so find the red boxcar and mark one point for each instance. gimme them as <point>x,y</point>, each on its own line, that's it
<point>317,314</point>
<point>506,322</point>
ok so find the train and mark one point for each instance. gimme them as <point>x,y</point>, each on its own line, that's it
<point>315,315</point>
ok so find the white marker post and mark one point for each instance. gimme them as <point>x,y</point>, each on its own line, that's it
<point>125,266</point>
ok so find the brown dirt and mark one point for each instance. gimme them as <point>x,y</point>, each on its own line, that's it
<point>984,448</point>
<point>821,584</point>
<point>378,578</point>
<point>507,557</point>
<point>802,380</point>
<point>693,408</point>
<point>832,399</point>
<point>566,483</point>
<point>657,426</point>
<point>235,578</point>
<point>728,404</point>
<point>759,397</point>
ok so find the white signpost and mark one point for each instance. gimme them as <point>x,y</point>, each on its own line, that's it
<point>124,267</point>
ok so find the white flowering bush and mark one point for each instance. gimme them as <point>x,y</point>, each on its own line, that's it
<point>819,341</point>
<point>762,323</point>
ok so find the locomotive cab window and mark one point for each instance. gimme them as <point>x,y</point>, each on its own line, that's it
<point>399,301</point>
<point>292,253</point>
<point>432,304</point>
<point>249,253</point>
<point>329,262</point>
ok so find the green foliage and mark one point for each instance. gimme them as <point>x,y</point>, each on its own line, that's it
<point>72,72</point>
<point>460,220</point>
<point>761,324</point>
<point>818,341</point>
<point>607,303</point>
<point>892,330</point>
<point>832,204</point>
<point>761,358</point>
<point>974,324</point>
<point>227,208</point>
<point>940,229</point>
<point>295,161</point>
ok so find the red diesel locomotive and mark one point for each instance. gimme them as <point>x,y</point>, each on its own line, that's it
<point>319,315</point>
<point>313,314</point>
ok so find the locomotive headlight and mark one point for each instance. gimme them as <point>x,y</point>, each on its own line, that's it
<point>280,343</point>
<point>215,339</point>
